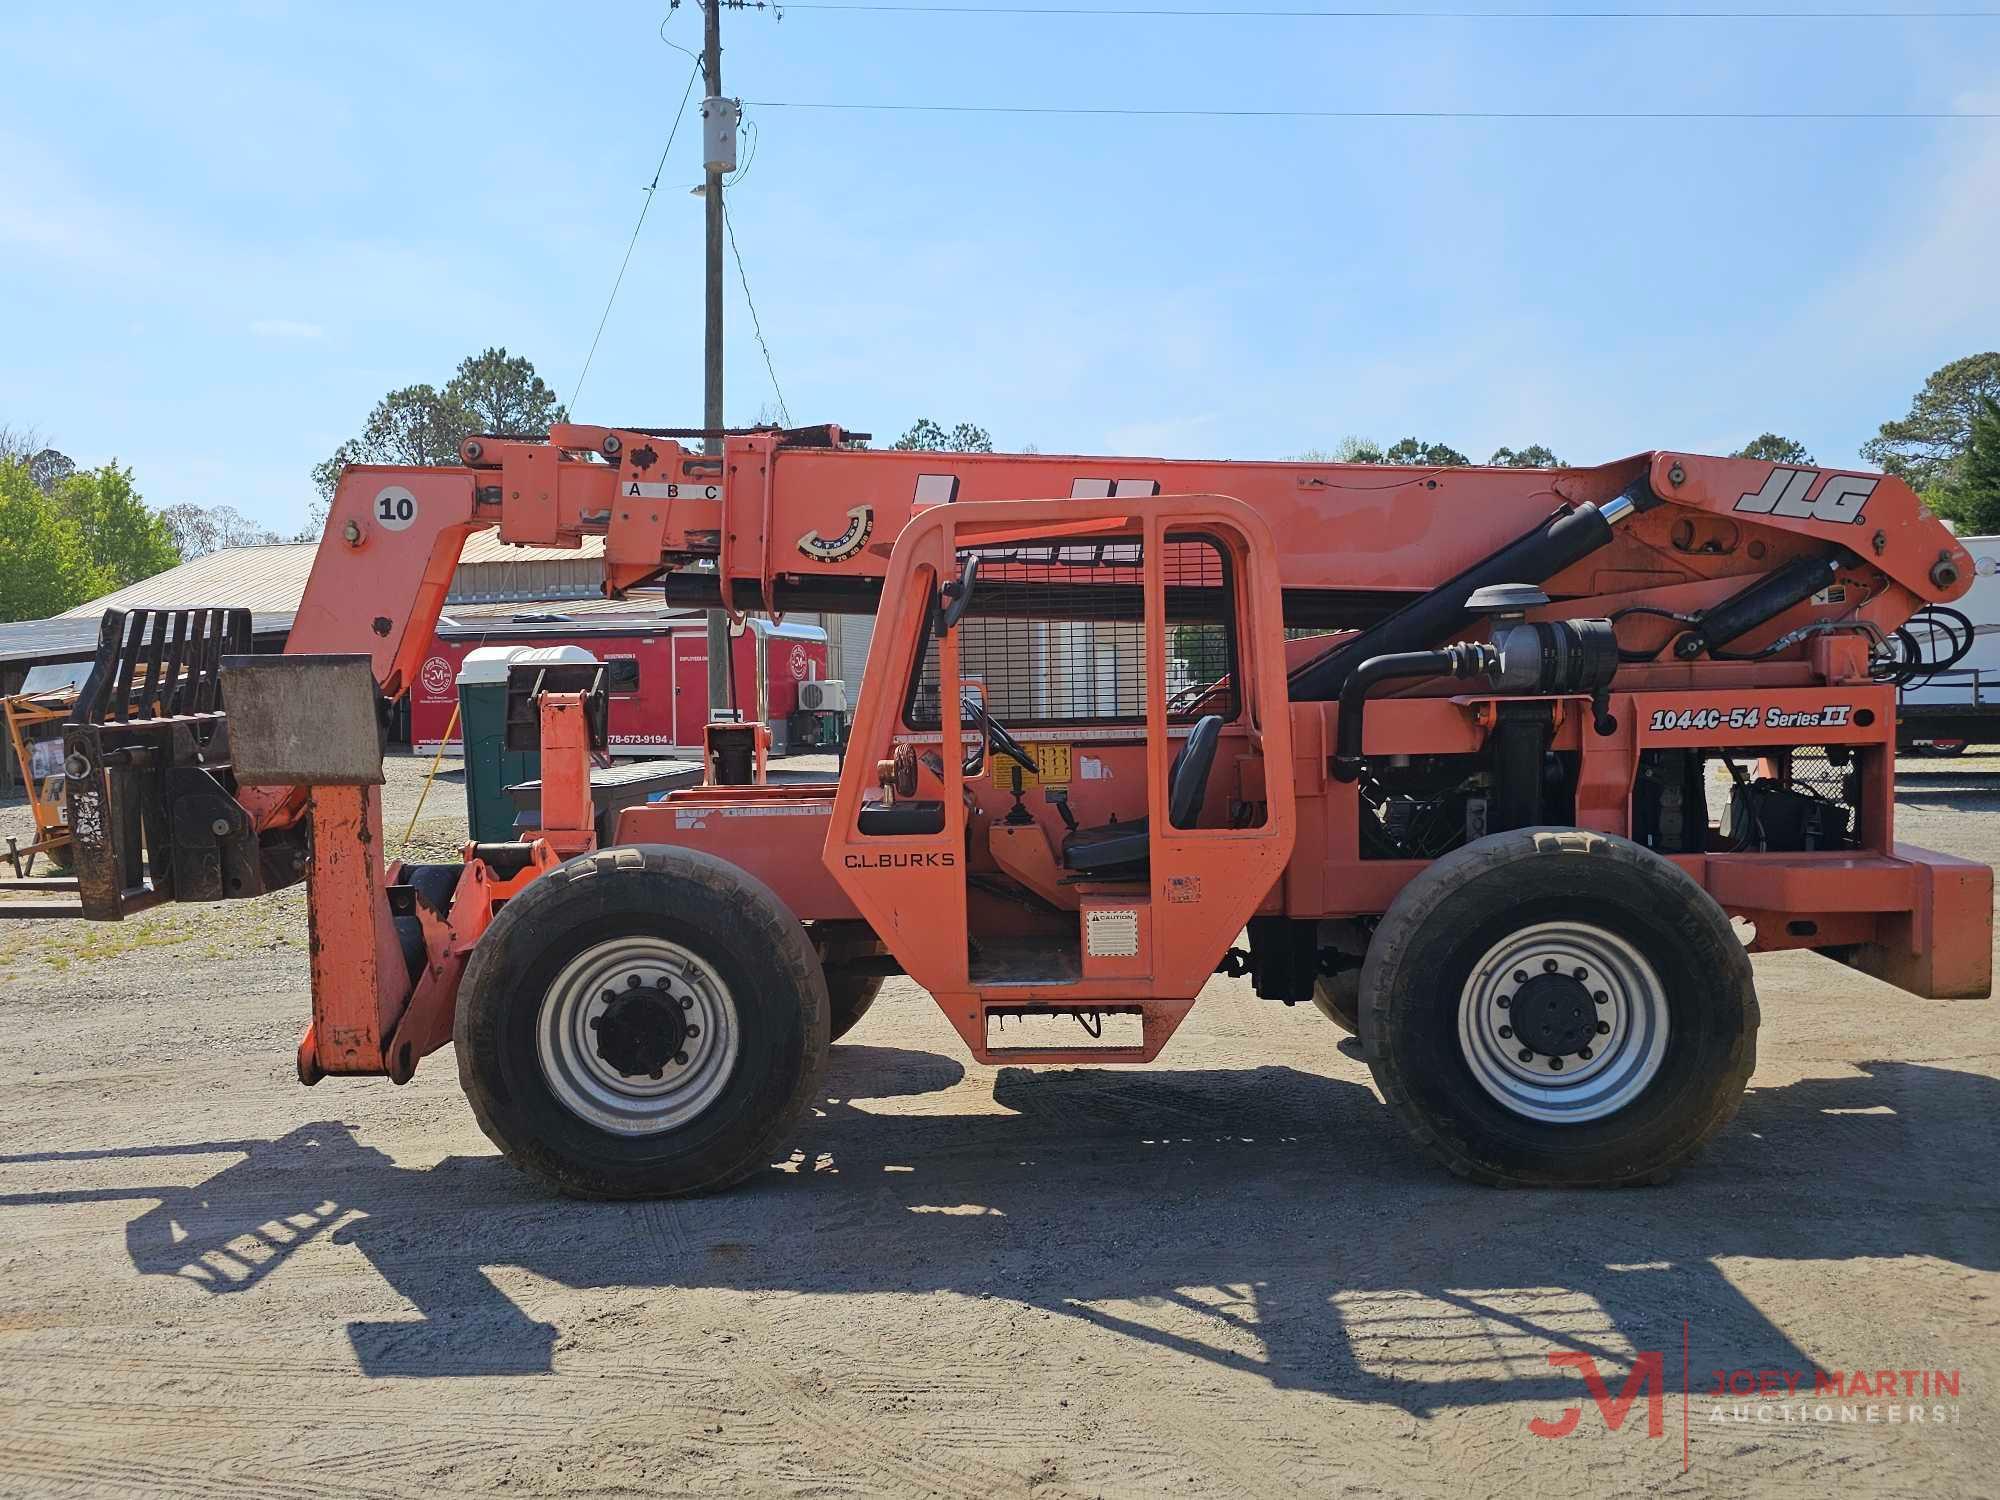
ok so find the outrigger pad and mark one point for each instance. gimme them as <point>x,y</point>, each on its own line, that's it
<point>306,720</point>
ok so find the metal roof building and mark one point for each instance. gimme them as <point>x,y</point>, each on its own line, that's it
<point>264,580</point>
<point>269,581</point>
<point>272,579</point>
<point>494,581</point>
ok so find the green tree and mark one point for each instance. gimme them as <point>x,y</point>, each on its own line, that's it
<point>1924,447</point>
<point>49,468</point>
<point>123,540</point>
<point>1773,449</point>
<point>492,391</point>
<point>926,436</point>
<point>1534,456</point>
<point>1972,499</point>
<point>412,425</point>
<point>44,569</point>
<point>1412,452</point>
<point>500,392</point>
<point>1349,450</point>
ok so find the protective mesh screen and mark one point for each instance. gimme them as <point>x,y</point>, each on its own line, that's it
<point>1056,635</point>
<point>1826,779</point>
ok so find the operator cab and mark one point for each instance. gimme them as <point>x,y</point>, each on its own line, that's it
<point>1069,726</point>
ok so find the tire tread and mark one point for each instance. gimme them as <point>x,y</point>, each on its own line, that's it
<point>1398,930</point>
<point>753,903</point>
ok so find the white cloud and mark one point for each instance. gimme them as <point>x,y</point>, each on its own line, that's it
<point>285,328</point>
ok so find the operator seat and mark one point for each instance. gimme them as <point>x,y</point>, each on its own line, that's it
<point>1118,850</point>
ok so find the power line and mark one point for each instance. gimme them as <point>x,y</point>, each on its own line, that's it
<point>1376,114</point>
<point>1404,15</point>
<point>644,208</point>
<point>756,326</point>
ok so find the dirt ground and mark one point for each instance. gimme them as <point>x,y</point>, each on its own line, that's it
<point>1223,1275</point>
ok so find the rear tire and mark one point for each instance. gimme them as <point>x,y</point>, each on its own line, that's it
<point>1338,998</point>
<point>848,998</point>
<point>641,1022</point>
<point>1617,976</point>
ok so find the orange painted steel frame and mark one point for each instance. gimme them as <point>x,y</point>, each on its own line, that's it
<point>770,517</point>
<point>370,1015</point>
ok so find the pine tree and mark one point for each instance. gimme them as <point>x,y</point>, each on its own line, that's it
<point>1972,496</point>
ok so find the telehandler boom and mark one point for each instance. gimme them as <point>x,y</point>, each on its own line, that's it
<point>1507,771</point>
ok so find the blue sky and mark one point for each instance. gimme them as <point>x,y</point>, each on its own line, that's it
<point>226,229</point>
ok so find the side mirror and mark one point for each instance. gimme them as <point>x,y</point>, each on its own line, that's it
<point>956,597</point>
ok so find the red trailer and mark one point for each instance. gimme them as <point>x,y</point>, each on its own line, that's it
<point>665,713</point>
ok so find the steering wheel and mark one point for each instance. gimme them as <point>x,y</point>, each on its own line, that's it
<point>997,736</point>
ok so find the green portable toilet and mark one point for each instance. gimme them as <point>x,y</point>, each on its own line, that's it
<point>490,767</point>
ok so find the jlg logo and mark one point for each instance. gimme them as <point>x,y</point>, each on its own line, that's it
<point>1784,494</point>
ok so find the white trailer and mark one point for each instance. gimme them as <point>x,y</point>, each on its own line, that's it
<point>1960,705</point>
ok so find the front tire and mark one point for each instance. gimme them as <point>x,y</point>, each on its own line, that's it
<point>641,1022</point>
<point>1551,1007</point>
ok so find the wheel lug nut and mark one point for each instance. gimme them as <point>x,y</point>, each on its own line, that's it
<point>631,981</point>
<point>694,1031</point>
<point>1548,966</point>
<point>655,1075</point>
<point>687,1002</point>
<point>1505,1032</point>
<point>1600,998</point>
<point>596,1022</point>
<point>1579,972</point>
<point>1584,1053</point>
<point>609,996</point>
<point>680,1059</point>
<point>1504,1001</point>
<point>1555,1065</point>
<point>1520,976</point>
<point>1604,1028</point>
<point>1527,1054</point>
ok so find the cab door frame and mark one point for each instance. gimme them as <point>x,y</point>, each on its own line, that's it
<point>1203,883</point>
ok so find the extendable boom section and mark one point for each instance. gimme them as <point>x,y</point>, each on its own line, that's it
<point>801,521</point>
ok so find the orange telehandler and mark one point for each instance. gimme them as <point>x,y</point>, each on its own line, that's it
<point>1508,771</point>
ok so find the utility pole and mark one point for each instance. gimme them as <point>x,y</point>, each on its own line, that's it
<point>721,695</point>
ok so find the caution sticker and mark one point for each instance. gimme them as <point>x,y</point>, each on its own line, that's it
<point>1051,768</point>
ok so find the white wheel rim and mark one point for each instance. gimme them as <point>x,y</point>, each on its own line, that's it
<point>1625,1025</point>
<point>588,1085</point>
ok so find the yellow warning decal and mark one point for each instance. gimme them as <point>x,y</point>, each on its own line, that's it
<point>1051,768</point>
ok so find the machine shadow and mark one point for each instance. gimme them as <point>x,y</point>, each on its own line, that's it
<point>1272,1221</point>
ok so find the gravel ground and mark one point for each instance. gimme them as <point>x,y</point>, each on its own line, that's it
<point>1222,1275</point>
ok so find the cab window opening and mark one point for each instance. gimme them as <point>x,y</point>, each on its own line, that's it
<point>1056,635</point>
